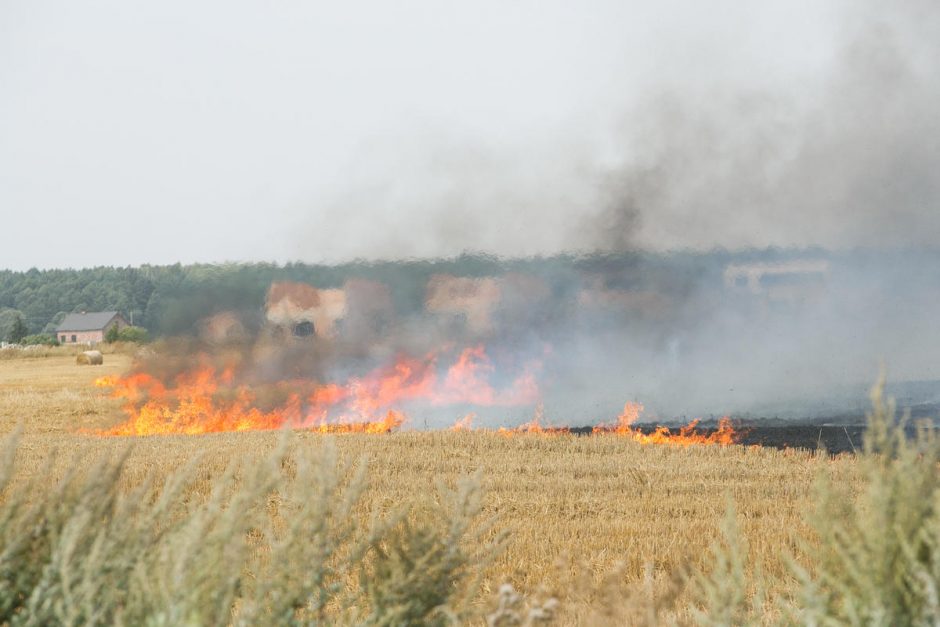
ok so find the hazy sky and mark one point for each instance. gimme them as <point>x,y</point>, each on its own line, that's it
<point>154,132</point>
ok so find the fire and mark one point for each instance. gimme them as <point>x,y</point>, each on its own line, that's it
<point>630,414</point>
<point>687,435</point>
<point>464,424</point>
<point>189,407</point>
<point>393,420</point>
<point>534,426</point>
<point>206,400</point>
<point>211,400</point>
<point>466,382</point>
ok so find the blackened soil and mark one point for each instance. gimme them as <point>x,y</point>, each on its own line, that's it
<point>834,439</point>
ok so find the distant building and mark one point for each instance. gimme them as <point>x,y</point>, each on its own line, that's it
<point>484,305</point>
<point>88,328</point>
<point>597,296</point>
<point>304,310</point>
<point>472,299</point>
<point>786,281</point>
<point>221,328</point>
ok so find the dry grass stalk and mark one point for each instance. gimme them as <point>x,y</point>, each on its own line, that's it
<point>634,515</point>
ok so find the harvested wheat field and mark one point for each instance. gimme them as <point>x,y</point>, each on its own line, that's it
<point>584,515</point>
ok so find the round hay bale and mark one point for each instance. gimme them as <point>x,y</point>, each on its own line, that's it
<point>90,358</point>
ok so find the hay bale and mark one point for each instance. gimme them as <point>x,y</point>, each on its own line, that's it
<point>90,358</point>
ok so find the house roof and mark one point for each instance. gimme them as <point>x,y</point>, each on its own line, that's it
<point>94,321</point>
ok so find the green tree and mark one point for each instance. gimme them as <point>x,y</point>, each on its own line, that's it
<point>132,334</point>
<point>18,332</point>
<point>112,334</point>
<point>43,339</point>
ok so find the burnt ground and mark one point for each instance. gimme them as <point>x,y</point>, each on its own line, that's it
<point>836,434</point>
<point>835,438</point>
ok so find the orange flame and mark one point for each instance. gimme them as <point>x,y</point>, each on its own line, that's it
<point>464,424</point>
<point>207,401</point>
<point>466,382</point>
<point>534,426</point>
<point>687,435</point>
<point>393,420</point>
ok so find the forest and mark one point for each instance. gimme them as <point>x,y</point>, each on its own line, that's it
<point>170,300</point>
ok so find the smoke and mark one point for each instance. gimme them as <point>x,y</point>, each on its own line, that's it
<point>845,160</point>
<point>841,155</point>
<point>429,195</point>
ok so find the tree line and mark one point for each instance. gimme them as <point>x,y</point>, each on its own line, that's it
<point>170,300</point>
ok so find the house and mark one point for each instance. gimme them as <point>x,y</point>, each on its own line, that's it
<point>597,296</point>
<point>88,328</point>
<point>370,309</point>
<point>470,299</point>
<point>793,281</point>
<point>222,328</point>
<point>484,305</point>
<point>304,310</point>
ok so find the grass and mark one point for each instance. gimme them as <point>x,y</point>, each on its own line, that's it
<point>595,521</point>
<point>40,351</point>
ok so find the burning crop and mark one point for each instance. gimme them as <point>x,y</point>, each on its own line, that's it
<point>210,399</point>
<point>534,426</point>
<point>464,424</point>
<point>687,435</point>
<point>207,399</point>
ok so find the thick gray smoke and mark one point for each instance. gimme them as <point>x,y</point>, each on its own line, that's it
<point>839,156</point>
<point>846,159</point>
<point>843,160</point>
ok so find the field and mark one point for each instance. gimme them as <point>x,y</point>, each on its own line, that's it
<point>579,510</point>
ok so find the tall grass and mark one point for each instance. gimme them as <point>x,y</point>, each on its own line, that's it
<point>602,501</point>
<point>37,351</point>
<point>872,556</point>
<point>877,554</point>
<point>276,544</point>
<point>296,535</point>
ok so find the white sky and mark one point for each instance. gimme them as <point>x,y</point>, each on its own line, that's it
<point>154,132</point>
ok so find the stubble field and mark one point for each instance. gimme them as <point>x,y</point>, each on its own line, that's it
<point>578,510</point>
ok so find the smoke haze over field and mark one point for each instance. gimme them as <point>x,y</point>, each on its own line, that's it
<point>326,133</point>
<point>845,156</point>
<point>243,131</point>
<point>849,158</point>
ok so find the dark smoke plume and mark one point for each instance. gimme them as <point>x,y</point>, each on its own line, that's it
<point>829,165</point>
<point>848,160</point>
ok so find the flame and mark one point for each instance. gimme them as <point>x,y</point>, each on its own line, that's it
<point>189,407</point>
<point>393,420</point>
<point>206,400</point>
<point>464,424</point>
<point>210,400</point>
<point>534,426</point>
<point>687,435</point>
<point>467,382</point>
